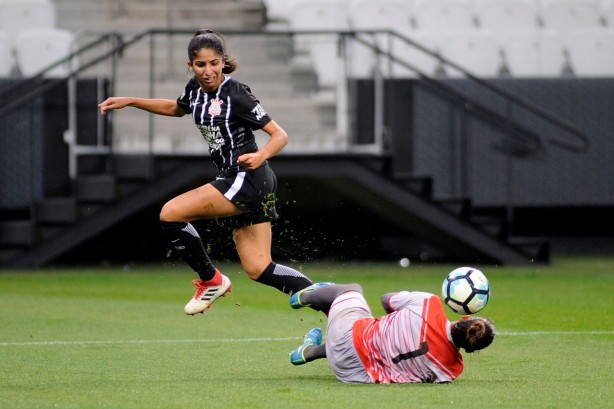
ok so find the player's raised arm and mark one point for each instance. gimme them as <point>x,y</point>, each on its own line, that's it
<point>158,106</point>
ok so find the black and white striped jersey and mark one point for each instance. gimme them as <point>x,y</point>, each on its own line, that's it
<point>226,119</point>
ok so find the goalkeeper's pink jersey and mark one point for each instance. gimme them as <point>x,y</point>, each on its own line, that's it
<point>411,344</point>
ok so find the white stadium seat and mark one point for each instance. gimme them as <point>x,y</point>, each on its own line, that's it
<point>381,14</point>
<point>19,15</point>
<point>533,53</point>
<point>37,49</point>
<point>475,51</point>
<point>278,10</point>
<point>6,56</point>
<point>570,14</point>
<point>500,15</point>
<point>278,13</point>
<point>422,61</point>
<point>607,12</point>
<point>391,15</point>
<point>591,52</point>
<point>318,15</point>
<point>322,48</point>
<point>443,15</point>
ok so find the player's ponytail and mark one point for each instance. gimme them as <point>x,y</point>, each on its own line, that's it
<point>473,334</point>
<point>211,39</point>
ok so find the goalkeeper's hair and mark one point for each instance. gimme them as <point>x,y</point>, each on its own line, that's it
<point>473,334</point>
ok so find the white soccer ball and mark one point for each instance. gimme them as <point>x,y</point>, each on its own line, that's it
<point>466,290</point>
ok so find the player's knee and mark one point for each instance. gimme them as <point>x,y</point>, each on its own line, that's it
<point>254,269</point>
<point>169,213</point>
<point>355,287</point>
<point>252,272</point>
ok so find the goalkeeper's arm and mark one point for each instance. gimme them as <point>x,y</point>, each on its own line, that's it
<point>385,300</point>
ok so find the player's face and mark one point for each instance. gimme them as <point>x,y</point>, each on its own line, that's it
<point>207,66</point>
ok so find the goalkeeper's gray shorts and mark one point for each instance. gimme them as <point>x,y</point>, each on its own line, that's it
<point>340,351</point>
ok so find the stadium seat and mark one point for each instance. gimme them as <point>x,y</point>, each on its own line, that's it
<point>533,53</point>
<point>566,15</point>
<point>607,12</point>
<point>6,56</point>
<point>19,15</point>
<point>443,15</point>
<point>423,62</point>
<point>278,13</point>
<point>391,15</point>
<point>500,15</point>
<point>591,52</point>
<point>379,15</point>
<point>476,51</point>
<point>277,10</point>
<point>37,49</point>
<point>318,15</point>
<point>321,48</point>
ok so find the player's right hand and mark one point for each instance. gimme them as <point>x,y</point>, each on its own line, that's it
<point>113,103</point>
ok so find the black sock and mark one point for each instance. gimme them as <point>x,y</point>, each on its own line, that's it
<point>185,241</point>
<point>285,279</point>
<point>313,352</point>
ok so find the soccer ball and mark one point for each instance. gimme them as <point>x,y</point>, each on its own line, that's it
<point>465,290</point>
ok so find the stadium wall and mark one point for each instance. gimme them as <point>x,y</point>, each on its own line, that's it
<point>440,138</point>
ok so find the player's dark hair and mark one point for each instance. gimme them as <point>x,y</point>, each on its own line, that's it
<point>473,334</point>
<point>213,40</point>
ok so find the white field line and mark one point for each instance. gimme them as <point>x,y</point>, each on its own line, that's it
<point>236,340</point>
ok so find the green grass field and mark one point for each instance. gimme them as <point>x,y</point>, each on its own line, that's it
<point>118,338</point>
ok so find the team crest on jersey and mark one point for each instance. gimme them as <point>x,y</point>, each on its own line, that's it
<point>259,112</point>
<point>216,107</point>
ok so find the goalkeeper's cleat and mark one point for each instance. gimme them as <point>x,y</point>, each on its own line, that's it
<point>207,292</point>
<point>295,299</point>
<point>313,337</point>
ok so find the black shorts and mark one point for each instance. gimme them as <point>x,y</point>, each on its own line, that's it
<point>252,191</point>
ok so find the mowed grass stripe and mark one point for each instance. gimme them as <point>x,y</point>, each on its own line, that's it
<point>148,341</point>
<point>109,338</point>
<point>238,340</point>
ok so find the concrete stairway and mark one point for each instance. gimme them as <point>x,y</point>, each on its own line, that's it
<point>285,92</point>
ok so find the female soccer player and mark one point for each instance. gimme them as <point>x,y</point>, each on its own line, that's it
<point>226,113</point>
<point>414,342</point>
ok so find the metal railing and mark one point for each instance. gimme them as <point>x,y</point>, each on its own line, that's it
<point>108,49</point>
<point>512,99</point>
<point>521,141</point>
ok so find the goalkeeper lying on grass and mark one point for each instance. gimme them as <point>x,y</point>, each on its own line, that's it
<point>414,342</point>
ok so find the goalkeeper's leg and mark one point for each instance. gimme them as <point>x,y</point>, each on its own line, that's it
<point>321,295</point>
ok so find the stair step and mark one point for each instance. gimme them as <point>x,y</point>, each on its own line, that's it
<point>492,225</point>
<point>95,188</point>
<point>458,207</point>
<point>61,210</point>
<point>537,249</point>
<point>48,232</point>
<point>141,15</point>
<point>7,254</point>
<point>422,186</point>
<point>134,167</point>
<point>87,210</point>
<point>16,233</point>
<point>126,188</point>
